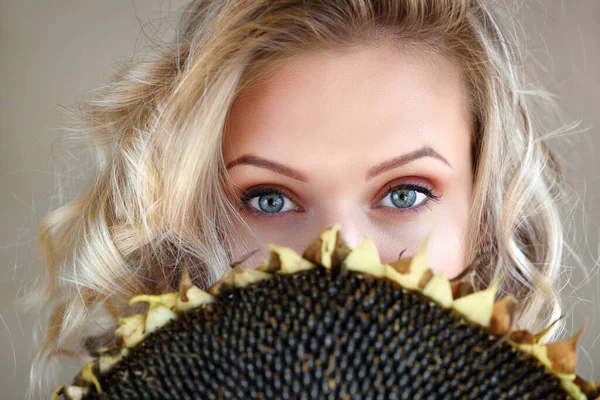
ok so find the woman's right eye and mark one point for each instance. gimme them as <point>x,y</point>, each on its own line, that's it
<point>268,201</point>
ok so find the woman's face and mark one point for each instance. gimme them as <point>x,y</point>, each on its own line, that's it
<point>376,139</point>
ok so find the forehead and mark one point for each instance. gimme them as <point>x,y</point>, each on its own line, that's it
<point>365,103</point>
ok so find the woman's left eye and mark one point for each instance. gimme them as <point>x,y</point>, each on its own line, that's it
<point>406,196</point>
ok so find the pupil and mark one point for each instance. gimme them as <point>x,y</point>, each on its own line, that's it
<point>404,198</point>
<point>271,203</point>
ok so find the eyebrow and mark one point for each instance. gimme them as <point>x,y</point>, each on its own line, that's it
<point>405,159</point>
<point>250,159</point>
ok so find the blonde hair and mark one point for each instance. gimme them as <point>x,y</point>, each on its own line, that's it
<point>159,201</point>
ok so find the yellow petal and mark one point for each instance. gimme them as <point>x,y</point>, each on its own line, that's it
<point>410,272</point>
<point>322,249</point>
<point>107,361</point>
<point>264,265</point>
<point>88,375</point>
<point>244,277</point>
<point>575,392</point>
<point>439,289</point>
<point>74,392</point>
<point>193,298</point>
<point>225,284</point>
<point>478,306</point>
<point>59,391</point>
<point>168,300</point>
<point>157,317</point>
<point>131,330</point>
<point>365,258</point>
<point>290,262</point>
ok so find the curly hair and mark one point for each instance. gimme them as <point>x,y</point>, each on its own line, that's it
<point>159,200</point>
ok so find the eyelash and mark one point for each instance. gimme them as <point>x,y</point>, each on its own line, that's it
<point>261,191</point>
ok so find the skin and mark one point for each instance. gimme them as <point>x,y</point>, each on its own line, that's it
<point>331,117</point>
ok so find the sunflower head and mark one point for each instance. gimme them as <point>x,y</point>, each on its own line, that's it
<point>333,322</point>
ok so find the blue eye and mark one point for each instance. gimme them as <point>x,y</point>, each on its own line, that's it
<point>268,201</point>
<point>403,198</point>
<point>272,202</point>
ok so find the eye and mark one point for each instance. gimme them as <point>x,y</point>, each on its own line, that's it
<point>272,202</point>
<point>407,196</point>
<point>267,201</point>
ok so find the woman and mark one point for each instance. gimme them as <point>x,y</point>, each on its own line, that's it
<point>269,121</point>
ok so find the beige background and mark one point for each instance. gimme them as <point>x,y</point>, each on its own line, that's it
<point>51,51</point>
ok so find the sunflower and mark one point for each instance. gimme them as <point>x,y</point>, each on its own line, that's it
<point>332,323</point>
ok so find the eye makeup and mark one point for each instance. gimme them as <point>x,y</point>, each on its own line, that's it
<point>290,200</point>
